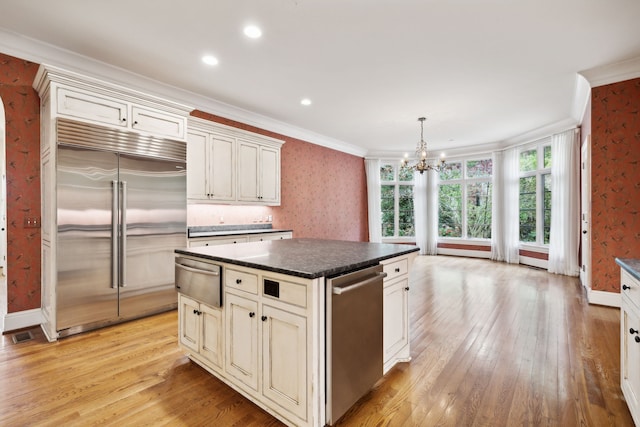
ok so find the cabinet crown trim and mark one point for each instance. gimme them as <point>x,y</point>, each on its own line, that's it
<point>48,74</point>
<point>202,125</point>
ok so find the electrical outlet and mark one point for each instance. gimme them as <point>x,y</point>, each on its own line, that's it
<point>31,222</point>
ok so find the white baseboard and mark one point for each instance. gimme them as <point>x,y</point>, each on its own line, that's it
<point>464,252</point>
<point>22,319</point>
<point>534,262</point>
<point>610,299</point>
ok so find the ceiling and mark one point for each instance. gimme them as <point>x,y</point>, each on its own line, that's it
<point>480,71</point>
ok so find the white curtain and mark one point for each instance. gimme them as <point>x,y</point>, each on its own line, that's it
<point>420,210</point>
<point>432,212</point>
<point>372,170</point>
<point>564,236</point>
<point>505,224</point>
<point>426,211</point>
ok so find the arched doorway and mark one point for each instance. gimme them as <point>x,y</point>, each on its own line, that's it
<point>3,219</point>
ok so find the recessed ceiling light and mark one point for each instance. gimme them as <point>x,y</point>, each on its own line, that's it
<point>210,60</point>
<point>252,32</point>
<point>305,101</point>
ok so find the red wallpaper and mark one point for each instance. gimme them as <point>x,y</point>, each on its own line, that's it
<point>324,192</point>
<point>22,111</point>
<point>615,180</point>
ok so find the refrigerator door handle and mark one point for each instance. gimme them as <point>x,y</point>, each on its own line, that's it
<point>114,234</point>
<point>123,238</point>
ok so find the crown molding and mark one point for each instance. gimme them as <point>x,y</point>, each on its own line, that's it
<point>612,73</point>
<point>39,52</point>
<point>541,132</point>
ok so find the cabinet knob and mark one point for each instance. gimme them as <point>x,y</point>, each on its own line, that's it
<point>264,318</point>
<point>625,287</point>
<point>238,281</point>
<point>135,122</point>
<point>633,331</point>
<point>251,314</point>
<point>195,311</point>
<point>124,119</point>
<point>406,289</point>
<point>584,231</point>
<point>637,338</point>
<point>398,270</point>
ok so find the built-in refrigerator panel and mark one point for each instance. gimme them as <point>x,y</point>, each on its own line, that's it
<point>154,213</point>
<point>84,208</point>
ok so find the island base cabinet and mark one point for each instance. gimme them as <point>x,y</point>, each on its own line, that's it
<point>284,344</point>
<point>630,359</point>
<point>200,329</point>
<point>396,320</point>
<point>242,339</point>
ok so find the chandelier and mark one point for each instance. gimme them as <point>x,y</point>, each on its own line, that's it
<point>421,155</point>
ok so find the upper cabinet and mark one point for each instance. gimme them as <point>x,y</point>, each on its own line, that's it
<point>229,165</point>
<point>90,100</point>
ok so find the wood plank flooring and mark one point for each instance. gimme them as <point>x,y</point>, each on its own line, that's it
<point>492,345</point>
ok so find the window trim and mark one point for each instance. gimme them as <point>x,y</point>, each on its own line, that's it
<point>539,146</point>
<point>396,202</point>
<point>464,181</point>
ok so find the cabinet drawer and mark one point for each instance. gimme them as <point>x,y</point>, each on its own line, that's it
<point>240,280</point>
<point>395,268</point>
<point>630,287</point>
<point>291,293</point>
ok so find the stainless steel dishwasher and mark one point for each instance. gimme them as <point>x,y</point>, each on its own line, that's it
<point>354,338</point>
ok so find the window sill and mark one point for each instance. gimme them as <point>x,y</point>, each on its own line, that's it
<point>544,249</point>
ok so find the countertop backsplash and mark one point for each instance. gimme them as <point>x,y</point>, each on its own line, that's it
<point>206,215</point>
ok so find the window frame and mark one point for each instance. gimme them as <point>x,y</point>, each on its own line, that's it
<point>396,183</point>
<point>464,181</point>
<point>539,173</point>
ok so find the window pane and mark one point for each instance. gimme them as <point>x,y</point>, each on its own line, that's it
<point>452,171</point>
<point>450,210</point>
<point>386,173</point>
<point>479,168</point>
<point>405,211</point>
<point>529,160</point>
<point>546,226</point>
<point>405,174</point>
<point>479,210</point>
<point>547,156</point>
<point>528,209</point>
<point>387,200</point>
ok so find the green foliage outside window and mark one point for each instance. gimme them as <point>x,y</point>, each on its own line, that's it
<point>528,209</point>
<point>450,210</point>
<point>479,210</point>
<point>546,226</point>
<point>396,201</point>
<point>405,211</point>
<point>529,160</point>
<point>387,206</point>
<point>452,171</point>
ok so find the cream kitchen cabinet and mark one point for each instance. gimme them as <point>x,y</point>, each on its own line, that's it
<point>238,238</point>
<point>630,343</point>
<point>242,338</point>
<point>230,165</point>
<point>258,173</point>
<point>396,311</point>
<point>201,331</point>
<point>210,167</point>
<point>111,110</point>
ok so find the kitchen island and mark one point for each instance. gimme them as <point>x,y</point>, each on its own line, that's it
<point>271,336</point>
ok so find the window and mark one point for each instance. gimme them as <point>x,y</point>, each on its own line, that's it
<point>535,193</point>
<point>396,201</point>
<point>464,199</point>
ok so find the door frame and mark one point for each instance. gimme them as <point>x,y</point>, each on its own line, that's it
<point>585,213</point>
<point>3,218</point>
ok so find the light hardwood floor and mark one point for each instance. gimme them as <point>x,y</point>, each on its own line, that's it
<point>492,345</point>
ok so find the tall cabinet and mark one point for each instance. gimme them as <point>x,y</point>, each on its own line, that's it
<point>230,165</point>
<point>65,94</point>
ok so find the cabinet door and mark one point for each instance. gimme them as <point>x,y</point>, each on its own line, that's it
<point>158,123</point>
<point>97,109</point>
<point>197,169</point>
<point>222,168</point>
<point>189,322</point>
<point>269,169</point>
<point>242,339</point>
<point>248,171</point>
<point>396,318</point>
<point>630,358</point>
<point>211,337</point>
<point>284,359</point>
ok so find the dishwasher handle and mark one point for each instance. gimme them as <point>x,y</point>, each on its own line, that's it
<point>340,291</point>
<point>197,270</point>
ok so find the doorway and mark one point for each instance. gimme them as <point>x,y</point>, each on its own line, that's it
<point>3,219</point>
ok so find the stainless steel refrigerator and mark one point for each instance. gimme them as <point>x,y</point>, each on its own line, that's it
<point>121,212</point>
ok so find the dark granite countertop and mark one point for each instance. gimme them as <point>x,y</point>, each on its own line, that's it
<point>631,265</point>
<point>231,230</point>
<point>308,258</point>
